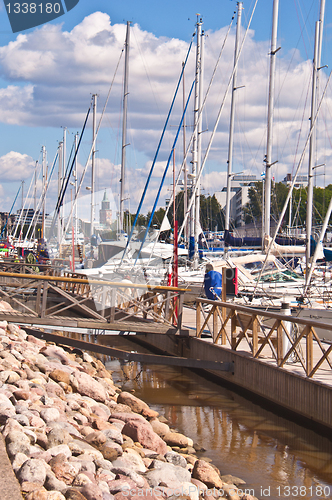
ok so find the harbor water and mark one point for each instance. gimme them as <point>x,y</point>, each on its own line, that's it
<point>276,458</point>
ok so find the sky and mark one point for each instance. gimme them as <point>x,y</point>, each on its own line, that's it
<point>48,75</point>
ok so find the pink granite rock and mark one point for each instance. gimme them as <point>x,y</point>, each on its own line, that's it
<point>145,435</point>
<point>136,404</point>
<point>87,386</point>
<point>207,474</point>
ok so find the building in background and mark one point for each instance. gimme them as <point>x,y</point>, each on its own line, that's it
<point>240,185</point>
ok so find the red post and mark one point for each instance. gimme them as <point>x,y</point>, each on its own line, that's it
<point>175,266</point>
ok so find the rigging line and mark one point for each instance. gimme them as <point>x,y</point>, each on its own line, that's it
<point>299,134</point>
<point>216,124</point>
<point>293,184</point>
<point>157,152</point>
<point>66,179</point>
<point>13,233</point>
<point>145,68</point>
<point>34,219</point>
<point>199,113</point>
<point>67,173</point>
<point>93,145</point>
<point>9,214</point>
<point>304,26</point>
<point>165,172</point>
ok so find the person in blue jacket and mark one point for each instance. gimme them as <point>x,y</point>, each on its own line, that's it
<point>212,283</point>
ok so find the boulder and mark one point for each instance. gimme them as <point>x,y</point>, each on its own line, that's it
<point>87,386</point>
<point>207,474</point>
<point>176,439</point>
<point>145,435</point>
<point>32,471</point>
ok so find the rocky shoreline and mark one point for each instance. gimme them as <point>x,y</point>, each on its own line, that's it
<point>71,433</point>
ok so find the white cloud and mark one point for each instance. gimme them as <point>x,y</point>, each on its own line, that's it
<point>52,73</point>
<point>16,167</point>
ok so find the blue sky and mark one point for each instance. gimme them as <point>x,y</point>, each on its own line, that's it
<point>39,98</point>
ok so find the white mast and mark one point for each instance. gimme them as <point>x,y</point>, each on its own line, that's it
<point>268,158</point>
<point>315,68</point>
<point>124,128</point>
<point>76,177</point>
<point>63,173</point>
<point>93,166</point>
<point>60,158</point>
<point>185,184</point>
<point>196,151</point>
<point>231,125</point>
<point>43,191</point>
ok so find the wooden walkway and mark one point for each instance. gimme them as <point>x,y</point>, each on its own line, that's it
<point>323,374</point>
<point>277,357</point>
<point>78,302</point>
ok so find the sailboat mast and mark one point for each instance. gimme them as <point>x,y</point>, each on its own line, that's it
<point>268,158</point>
<point>124,128</point>
<point>185,172</point>
<point>193,246</point>
<point>93,165</point>
<point>76,186</point>
<point>60,159</point>
<point>231,124</point>
<point>310,196</point>
<point>43,190</point>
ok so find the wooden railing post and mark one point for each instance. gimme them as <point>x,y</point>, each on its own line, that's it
<point>103,303</point>
<point>44,303</point>
<point>198,318</point>
<point>215,323</point>
<point>223,293</point>
<point>280,355</point>
<point>167,306</point>
<point>233,330</point>
<point>254,335</point>
<point>309,352</point>
<point>180,310</point>
<point>112,305</point>
<point>38,298</point>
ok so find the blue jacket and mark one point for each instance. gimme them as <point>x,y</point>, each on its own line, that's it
<point>212,285</point>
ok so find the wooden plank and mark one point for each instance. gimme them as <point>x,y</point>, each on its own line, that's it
<point>134,356</point>
<point>198,319</point>
<point>254,335</point>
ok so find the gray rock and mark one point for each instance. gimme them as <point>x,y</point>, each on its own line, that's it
<point>50,415</point>
<point>58,436</point>
<point>176,459</point>
<point>60,448</point>
<point>103,464</point>
<point>52,483</point>
<point>32,471</point>
<point>137,478</point>
<point>163,472</point>
<point>21,419</point>
<point>105,475</point>
<point>130,461</point>
<point>18,460</point>
<point>64,425</point>
<point>17,442</point>
<point>86,465</point>
<point>5,414</point>
<point>114,435</point>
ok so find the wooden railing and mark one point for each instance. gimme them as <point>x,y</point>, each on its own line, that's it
<point>54,296</point>
<point>285,337</point>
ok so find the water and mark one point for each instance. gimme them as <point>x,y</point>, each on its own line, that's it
<point>277,458</point>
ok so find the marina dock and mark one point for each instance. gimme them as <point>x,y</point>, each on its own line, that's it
<point>271,356</point>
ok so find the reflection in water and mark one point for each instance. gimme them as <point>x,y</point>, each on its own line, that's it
<point>277,458</point>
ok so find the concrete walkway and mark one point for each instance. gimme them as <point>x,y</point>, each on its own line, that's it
<point>9,486</point>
